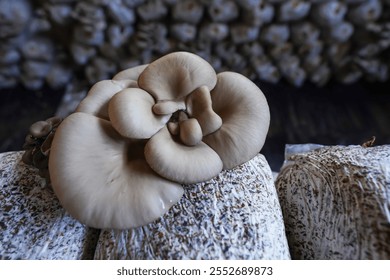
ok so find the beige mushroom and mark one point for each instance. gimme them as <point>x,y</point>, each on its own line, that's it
<point>198,105</point>
<point>96,101</point>
<point>131,114</point>
<point>103,180</point>
<point>245,114</point>
<point>176,75</point>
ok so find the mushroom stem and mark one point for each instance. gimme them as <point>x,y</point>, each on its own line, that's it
<point>190,132</point>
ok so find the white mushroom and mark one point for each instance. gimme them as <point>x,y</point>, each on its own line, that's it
<point>96,101</point>
<point>130,112</point>
<point>181,163</point>
<point>245,115</point>
<point>176,75</point>
<point>103,180</point>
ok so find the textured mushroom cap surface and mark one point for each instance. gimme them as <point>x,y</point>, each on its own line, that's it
<point>106,182</point>
<point>130,113</point>
<point>98,97</point>
<point>245,119</point>
<point>340,195</point>
<point>181,163</point>
<point>236,215</point>
<point>176,75</point>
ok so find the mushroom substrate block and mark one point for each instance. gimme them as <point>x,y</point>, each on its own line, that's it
<point>236,215</point>
<point>336,202</point>
<point>33,225</point>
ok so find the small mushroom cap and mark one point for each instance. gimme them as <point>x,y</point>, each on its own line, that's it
<point>131,73</point>
<point>190,132</point>
<point>40,129</point>
<point>103,181</point>
<point>199,107</point>
<point>245,114</point>
<point>176,75</point>
<point>181,163</point>
<point>130,112</point>
<point>98,97</point>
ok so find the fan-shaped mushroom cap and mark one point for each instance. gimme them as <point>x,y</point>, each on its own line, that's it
<point>131,73</point>
<point>130,112</point>
<point>245,115</point>
<point>176,75</point>
<point>96,101</point>
<point>181,163</point>
<point>104,181</point>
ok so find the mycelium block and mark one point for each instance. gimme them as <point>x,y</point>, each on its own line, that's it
<point>335,202</point>
<point>235,215</point>
<point>33,225</point>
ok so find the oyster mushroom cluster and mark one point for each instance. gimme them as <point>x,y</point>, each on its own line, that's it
<point>120,160</point>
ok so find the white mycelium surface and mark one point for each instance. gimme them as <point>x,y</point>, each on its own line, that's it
<point>236,215</point>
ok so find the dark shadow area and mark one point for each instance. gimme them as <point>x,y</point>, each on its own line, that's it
<point>19,108</point>
<point>333,115</point>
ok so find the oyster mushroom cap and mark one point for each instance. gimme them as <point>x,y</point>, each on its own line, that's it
<point>131,73</point>
<point>131,114</point>
<point>115,189</point>
<point>98,97</point>
<point>181,163</point>
<point>245,119</point>
<point>176,75</point>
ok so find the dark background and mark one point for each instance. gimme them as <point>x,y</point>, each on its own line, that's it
<point>334,114</point>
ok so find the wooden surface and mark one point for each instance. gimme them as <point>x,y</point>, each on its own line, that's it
<point>335,114</point>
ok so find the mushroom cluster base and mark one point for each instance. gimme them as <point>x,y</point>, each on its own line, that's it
<point>236,215</point>
<point>33,225</point>
<point>336,202</point>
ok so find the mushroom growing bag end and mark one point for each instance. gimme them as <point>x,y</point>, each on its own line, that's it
<point>120,160</point>
<point>335,202</point>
